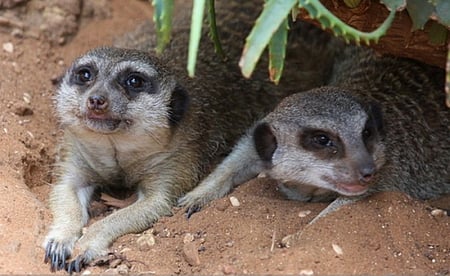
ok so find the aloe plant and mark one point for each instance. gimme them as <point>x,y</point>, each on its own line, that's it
<point>271,28</point>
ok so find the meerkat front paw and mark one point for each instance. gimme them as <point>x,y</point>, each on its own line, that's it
<point>57,252</point>
<point>81,260</point>
<point>192,202</point>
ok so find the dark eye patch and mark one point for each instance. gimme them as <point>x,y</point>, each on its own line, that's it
<point>135,83</point>
<point>324,143</point>
<point>83,75</point>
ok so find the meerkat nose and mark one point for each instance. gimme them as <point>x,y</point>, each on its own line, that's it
<point>366,173</point>
<point>98,104</point>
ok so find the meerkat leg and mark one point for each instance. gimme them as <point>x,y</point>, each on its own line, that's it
<point>156,196</point>
<point>152,204</point>
<point>69,202</point>
<point>241,165</point>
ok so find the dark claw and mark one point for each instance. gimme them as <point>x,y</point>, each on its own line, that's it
<point>76,265</point>
<point>56,257</point>
<point>54,264</point>
<point>192,210</point>
<point>48,249</point>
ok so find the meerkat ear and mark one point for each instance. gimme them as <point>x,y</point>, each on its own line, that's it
<point>265,141</point>
<point>376,115</point>
<point>179,103</point>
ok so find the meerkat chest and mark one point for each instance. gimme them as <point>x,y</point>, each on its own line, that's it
<point>118,157</point>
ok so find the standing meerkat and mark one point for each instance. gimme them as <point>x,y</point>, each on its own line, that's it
<point>380,125</point>
<point>132,120</point>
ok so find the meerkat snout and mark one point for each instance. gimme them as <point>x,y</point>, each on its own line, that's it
<point>97,104</point>
<point>367,172</point>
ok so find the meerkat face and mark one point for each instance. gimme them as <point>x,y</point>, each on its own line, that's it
<point>111,90</point>
<point>325,139</point>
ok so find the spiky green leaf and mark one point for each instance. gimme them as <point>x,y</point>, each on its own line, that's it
<point>328,20</point>
<point>277,51</point>
<point>273,14</point>
<point>162,16</point>
<point>213,34</point>
<point>195,35</point>
<point>419,11</point>
<point>437,33</point>
<point>443,12</point>
<point>394,5</point>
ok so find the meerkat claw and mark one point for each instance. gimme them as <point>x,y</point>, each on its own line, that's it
<point>192,210</point>
<point>56,254</point>
<point>76,265</point>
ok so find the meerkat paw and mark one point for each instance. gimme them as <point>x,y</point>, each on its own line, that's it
<point>217,185</point>
<point>57,251</point>
<point>79,262</point>
<point>88,248</point>
<point>192,203</point>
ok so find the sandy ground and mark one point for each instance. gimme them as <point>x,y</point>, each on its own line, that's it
<point>388,233</point>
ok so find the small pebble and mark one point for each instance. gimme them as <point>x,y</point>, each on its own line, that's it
<point>114,263</point>
<point>438,213</point>
<point>188,238</point>
<point>125,249</point>
<point>17,33</point>
<point>190,253</point>
<point>337,249</point>
<point>123,269</point>
<point>303,214</point>
<point>306,272</point>
<point>8,47</point>
<point>146,240</point>
<point>234,201</point>
<point>26,97</point>
<point>30,134</point>
<point>262,175</point>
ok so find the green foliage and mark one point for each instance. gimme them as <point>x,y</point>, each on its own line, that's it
<point>162,16</point>
<point>328,20</point>
<point>277,51</point>
<point>213,34</point>
<point>421,10</point>
<point>270,29</point>
<point>268,23</point>
<point>195,35</point>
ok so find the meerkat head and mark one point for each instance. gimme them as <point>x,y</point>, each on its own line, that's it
<point>110,90</point>
<point>324,138</point>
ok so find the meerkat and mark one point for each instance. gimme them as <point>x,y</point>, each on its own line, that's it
<point>133,120</point>
<point>380,124</point>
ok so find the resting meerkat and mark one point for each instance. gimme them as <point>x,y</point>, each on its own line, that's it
<point>136,121</point>
<point>379,125</point>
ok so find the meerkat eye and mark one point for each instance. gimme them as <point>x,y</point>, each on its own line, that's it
<point>136,83</point>
<point>324,143</point>
<point>83,75</point>
<point>322,140</point>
